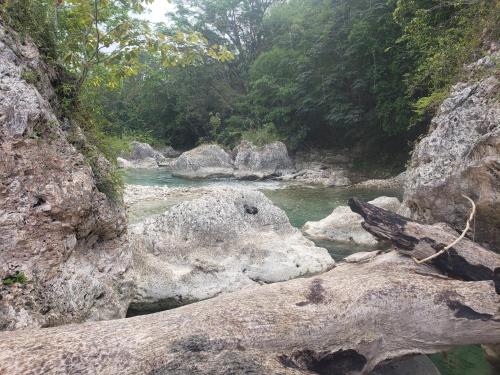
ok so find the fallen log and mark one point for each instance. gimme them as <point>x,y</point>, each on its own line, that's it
<point>345,321</point>
<point>465,260</point>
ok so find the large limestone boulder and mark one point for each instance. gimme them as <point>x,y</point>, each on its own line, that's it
<point>203,162</point>
<point>169,152</point>
<point>460,155</point>
<point>141,151</point>
<point>62,257</point>
<point>254,162</point>
<point>144,156</point>
<point>224,241</point>
<point>343,225</point>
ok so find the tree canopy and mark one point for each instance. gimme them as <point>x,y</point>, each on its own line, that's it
<point>318,73</point>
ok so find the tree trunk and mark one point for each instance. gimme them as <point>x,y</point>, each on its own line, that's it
<point>466,260</point>
<point>345,321</point>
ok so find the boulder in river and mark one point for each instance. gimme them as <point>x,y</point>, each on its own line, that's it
<point>142,151</point>
<point>169,152</point>
<point>142,156</point>
<point>343,225</point>
<point>315,173</point>
<point>204,161</point>
<point>224,241</point>
<point>460,155</point>
<point>254,162</point>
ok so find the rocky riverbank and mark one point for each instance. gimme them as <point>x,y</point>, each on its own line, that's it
<point>68,255</point>
<point>63,252</point>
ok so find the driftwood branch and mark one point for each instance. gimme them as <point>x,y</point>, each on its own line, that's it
<point>465,260</point>
<point>457,240</point>
<point>345,321</point>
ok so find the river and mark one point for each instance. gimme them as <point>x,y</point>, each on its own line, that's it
<point>303,204</point>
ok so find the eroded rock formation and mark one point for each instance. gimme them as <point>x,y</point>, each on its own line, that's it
<point>461,155</point>
<point>203,162</point>
<point>345,321</point>
<point>61,239</point>
<point>227,240</point>
<point>253,162</point>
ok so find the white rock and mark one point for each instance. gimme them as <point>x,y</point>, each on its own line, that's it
<point>362,256</point>
<point>459,156</point>
<point>261,162</point>
<point>123,163</point>
<point>142,151</point>
<point>203,162</point>
<point>343,225</point>
<point>221,242</point>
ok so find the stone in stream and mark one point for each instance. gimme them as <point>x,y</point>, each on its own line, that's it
<point>253,163</point>
<point>141,151</point>
<point>169,152</point>
<point>224,241</point>
<point>343,225</point>
<point>319,174</point>
<point>204,161</point>
<point>141,155</point>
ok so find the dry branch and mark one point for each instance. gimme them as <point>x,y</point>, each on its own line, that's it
<point>457,240</point>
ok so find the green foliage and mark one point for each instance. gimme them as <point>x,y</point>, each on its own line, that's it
<point>318,73</point>
<point>33,18</point>
<point>16,278</point>
<point>95,46</point>
<point>440,37</point>
<point>30,76</point>
<point>261,136</point>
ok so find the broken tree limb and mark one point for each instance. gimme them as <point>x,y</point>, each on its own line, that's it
<point>345,321</point>
<point>457,240</point>
<point>464,260</point>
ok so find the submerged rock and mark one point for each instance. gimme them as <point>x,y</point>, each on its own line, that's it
<point>203,162</point>
<point>319,174</point>
<point>62,253</point>
<point>460,155</point>
<point>224,241</point>
<point>343,225</point>
<point>253,162</point>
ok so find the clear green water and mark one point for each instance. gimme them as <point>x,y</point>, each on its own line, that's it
<point>466,360</point>
<point>311,204</point>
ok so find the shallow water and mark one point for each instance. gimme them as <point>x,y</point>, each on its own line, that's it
<point>303,204</point>
<point>467,360</point>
